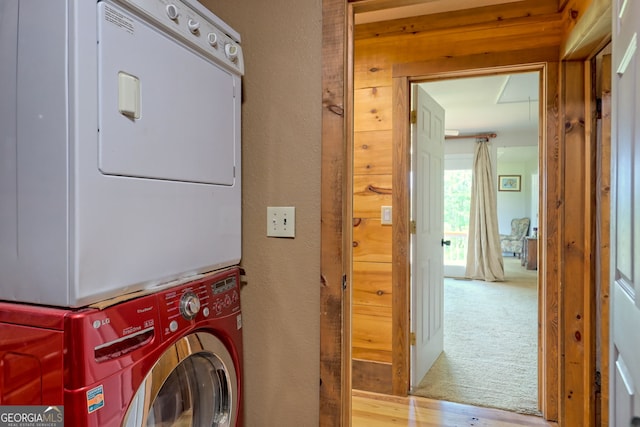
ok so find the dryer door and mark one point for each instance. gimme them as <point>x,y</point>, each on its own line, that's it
<point>193,383</point>
<point>165,111</point>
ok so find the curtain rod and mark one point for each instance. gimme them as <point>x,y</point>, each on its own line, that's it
<point>469,136</point>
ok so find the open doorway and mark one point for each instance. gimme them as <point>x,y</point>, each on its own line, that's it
<point>380,315</point>
<point>488,326</point>
<point>380,306</point>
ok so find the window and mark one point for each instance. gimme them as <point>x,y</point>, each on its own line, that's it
<point>457,205</point>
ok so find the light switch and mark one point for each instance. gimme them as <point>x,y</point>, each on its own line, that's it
<point>385,215</point>
<point>281,221</point>
<point>129,95</point>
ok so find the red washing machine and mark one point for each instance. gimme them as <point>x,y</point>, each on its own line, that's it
<point>172,357</point>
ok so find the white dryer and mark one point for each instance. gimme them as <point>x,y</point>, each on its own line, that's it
<point>119,147</point>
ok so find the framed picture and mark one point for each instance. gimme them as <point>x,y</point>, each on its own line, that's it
<point>509,182</point>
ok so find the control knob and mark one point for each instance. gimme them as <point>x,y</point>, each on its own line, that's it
<point>213,39</point>
<point>193,25</point>
<point>231,50</point>
<point>189,305</point>
<point>172,12</point>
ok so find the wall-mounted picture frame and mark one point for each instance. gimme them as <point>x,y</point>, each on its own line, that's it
<point>509,182</point>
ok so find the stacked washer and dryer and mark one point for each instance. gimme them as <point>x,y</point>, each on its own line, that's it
<point>120,208</point>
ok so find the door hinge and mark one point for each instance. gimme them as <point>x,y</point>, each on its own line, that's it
<point>344,282</point>
<point>412,338</point>
<point>413,117</point>
<point>412,227</point>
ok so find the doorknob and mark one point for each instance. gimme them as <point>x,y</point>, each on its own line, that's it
<point>445,242</point>
<point>635,421</point>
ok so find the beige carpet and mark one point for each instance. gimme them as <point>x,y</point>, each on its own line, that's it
<point>490,343</point>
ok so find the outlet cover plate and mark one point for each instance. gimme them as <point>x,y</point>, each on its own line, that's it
<point>386,215</point>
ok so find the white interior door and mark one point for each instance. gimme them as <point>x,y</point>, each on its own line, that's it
<point>427,298</point>
<point>625,248</point>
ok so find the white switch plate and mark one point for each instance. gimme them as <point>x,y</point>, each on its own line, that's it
<point>386,215</point>
<point>281,221</point>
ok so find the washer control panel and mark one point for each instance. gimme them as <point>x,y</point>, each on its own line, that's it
<point>194,25</point>
<point>215,296</point>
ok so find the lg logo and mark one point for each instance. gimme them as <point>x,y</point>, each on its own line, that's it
<point>98,323</point>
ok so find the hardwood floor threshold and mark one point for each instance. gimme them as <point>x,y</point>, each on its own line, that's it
<point>379,410</point>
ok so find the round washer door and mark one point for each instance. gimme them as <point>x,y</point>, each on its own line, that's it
<point>193,383</point>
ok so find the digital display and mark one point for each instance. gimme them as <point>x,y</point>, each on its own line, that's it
<point>224,285</point>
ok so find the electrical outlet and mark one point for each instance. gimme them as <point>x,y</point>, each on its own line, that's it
<point>281,221</point>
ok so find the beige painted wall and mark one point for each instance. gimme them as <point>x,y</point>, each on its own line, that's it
<point>281,167</point>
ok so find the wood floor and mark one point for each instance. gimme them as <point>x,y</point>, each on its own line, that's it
<point>377,410</point>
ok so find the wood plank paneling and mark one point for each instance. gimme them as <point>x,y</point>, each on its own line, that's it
<point>372,284</point>
<point>371,72</point>
<point>371,241</point>
<point>372,153</point>
<point>370,192</point>
<point>527,33</point>
<point>455,19</point>
<point>469,65</point>
<point>372,333</point>
<point>372,110</point>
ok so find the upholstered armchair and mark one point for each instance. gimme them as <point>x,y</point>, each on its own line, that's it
<point>513,242</point>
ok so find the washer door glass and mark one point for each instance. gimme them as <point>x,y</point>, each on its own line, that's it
<point>195,394</point>
<point>198,389</point>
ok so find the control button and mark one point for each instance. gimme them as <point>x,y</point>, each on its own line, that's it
<point>231,50</point>
<point>227,301</point>
<point>189,305</point>
<point>193,25</point>
<point>172,11</point>
<point>213,39</point>
<point>205,311</point>
<point>173,326</point>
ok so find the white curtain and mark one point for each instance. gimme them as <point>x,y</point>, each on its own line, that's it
<point>484,256</point>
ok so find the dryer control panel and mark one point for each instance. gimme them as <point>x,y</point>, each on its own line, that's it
<point>195,25</point>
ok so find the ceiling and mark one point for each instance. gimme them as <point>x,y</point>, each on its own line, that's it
<point>498,103</point>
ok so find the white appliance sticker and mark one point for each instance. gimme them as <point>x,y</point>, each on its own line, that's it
<point>118,19</point>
